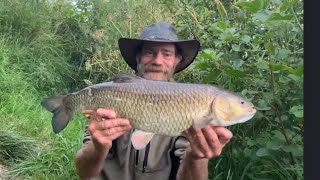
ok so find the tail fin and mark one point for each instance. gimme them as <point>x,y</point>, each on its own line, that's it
<point>61,113</point>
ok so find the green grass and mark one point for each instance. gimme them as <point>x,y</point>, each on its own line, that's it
<point>55,160</point>
<point>33,66</point>
<point>14,146</point>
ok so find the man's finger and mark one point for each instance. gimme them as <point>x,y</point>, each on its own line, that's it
<point>115,130</point>
<point>118,134</point>
<point>199,142</point>
<point>103,114</point>
<point>224,134</point>
<point>211,138</point>
<point>111,123</point>
<point>195,150</point>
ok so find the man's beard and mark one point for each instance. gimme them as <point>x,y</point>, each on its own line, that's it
<point>143,72</point>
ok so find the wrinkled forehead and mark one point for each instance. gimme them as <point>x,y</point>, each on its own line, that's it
<point>158,46</point>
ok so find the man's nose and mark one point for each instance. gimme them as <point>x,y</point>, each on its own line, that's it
<point>157,58</point>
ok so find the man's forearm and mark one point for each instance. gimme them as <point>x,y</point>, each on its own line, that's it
<point>193,169</point>
<point>90,161</point>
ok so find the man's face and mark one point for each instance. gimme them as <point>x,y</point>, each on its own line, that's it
<point>157,61</point>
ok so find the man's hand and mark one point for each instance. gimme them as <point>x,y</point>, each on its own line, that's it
<point>104,127</point>
<point>207,142</point>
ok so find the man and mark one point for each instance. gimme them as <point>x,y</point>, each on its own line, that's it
<point>107,152</point>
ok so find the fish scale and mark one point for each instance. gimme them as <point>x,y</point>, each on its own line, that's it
<point>161,104</point>
<point>160,107</point>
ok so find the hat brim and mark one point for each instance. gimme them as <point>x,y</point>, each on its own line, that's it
<point>128,49</point>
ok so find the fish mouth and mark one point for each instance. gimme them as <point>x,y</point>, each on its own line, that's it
<point>239,119</point>
<point>253,110</point>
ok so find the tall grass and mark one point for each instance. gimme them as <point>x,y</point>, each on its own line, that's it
<point>40,52</point>
<point>34,64</point>
<point>49,48</point>
<point>20,112</point>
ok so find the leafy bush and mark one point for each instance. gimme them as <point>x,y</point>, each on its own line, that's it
<point>254,48</point>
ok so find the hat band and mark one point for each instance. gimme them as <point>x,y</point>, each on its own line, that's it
<point>158,38</point>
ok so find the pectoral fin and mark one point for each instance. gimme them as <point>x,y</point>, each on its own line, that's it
<point>140,139</point>
<point>88,113</point>
<point>202,122</point>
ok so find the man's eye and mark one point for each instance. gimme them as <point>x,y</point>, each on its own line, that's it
<point>167,54</point>
<point>148,52</point>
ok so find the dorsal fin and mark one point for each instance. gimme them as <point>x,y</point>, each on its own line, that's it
<point>126,78</point>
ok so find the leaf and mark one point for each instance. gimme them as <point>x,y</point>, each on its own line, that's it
<point>253,92</point>
<point>222,25</point>
<point>295,149</point>
<point>247,152</point>
<point>262,105</point>
<point>202,65</point>
<point>284,117</point>
<point>275,144</point>
<point>267,95</point>
<point>250,142</point>
<point>246,38</point>
<point>298,71</point>
<point>279,17</point>
<point>283,79</point>
<point>262,152</point>
<point>259,114</point>
<point>237,63</point>
<point>276,1</point>
<point>282,53</point>
<point>236,47</point>
<point>293,77</point>
<point>219,55</point>
<point>262,64</point>
<point>211,76</point>
<point>297,111</point>
<point>287,5</point>
<point>278,67</point>
<point>262,15</point>
<point>270,47</point>
<point>261,83</point>
<point>263,109</point>
<point>208,54</point>
<point>235,72</point>
<point>251,6</point>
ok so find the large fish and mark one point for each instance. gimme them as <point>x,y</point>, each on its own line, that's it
<point>153,107</point>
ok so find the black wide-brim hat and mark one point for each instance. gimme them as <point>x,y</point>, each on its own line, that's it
<point>159,32</point>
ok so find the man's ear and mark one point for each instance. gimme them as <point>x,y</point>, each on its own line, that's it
<point>138,58</point>
<point>178,59</point>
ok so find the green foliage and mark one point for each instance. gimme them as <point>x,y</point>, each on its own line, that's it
<point>256,50</point>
